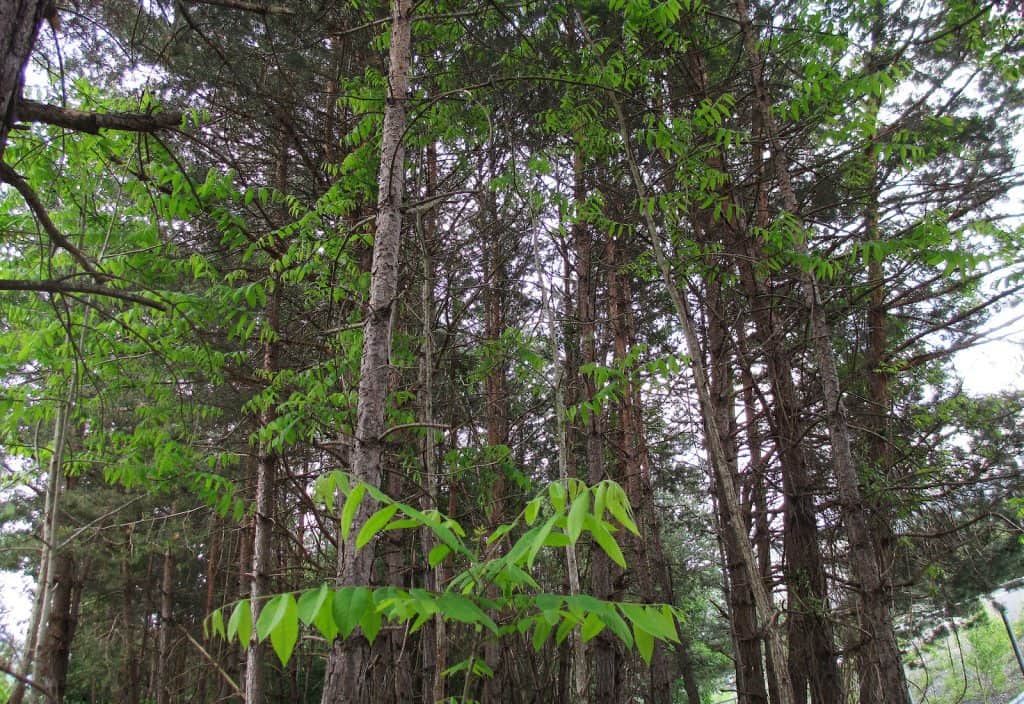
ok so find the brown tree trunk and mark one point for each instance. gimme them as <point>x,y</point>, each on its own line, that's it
<point>434,641</point>
<point>730,510</point>
<point>345,679</point>
<point>606,662</point>
<point>651,562</point>
<point>163,654</point>
<point>131,682</point>
<point>750,677</point>
<point>496,395</point>
<point>19,27</point>
<point>881,656</point>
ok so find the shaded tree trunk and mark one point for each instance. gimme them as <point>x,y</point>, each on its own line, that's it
<point>162,683</point>
<point>881,659</point>
<point>19,27</point>
<point>347,665</point>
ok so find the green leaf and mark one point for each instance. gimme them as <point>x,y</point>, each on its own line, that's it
<point>311,602</point>
<point>370,623</point>
<point>592,626</point>
<point>373,525</point>
<point>605,540</point>
<point>656,622</point>
<point>437,554</point>
<point>459,608</point>
<point>557,540</point>
<point>271,615</point>
<point>216,624</point>
<point>315,608</point>
<point>600,492</point>
<point>540,633</point>
<point>618,506</point>
<point>348,607</point>
<point>540,538</point>
<point>279,619</point>
<point>644,643</point>
<point>531,511</point>
<point>348,511</point>
<point>500,532</point>
<point>568,623</point>
<point>240,622</point>
<point>615,622</point>
<point>577,516</point>
<point>556,492</point>
<point>548,602</point>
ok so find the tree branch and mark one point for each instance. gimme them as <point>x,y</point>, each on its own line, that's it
<point>55,286</point>
<point>246,6</point>
<point>6,669</point>
<point>10,176</point>
<point>93,122</point>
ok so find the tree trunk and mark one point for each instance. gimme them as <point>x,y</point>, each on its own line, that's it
<point>434,639</point>
<point>348,661</point>
<point>750,677</point>
<point>881,657</point>
<point>162,685</point>
<point>651,564</point>
<point>605,665</point>
<point>496,395</point>
<point>19,27</point>
<point>730,509</point>
<point>262,558</point>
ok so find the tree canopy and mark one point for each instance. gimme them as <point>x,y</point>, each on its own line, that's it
<point>505,351</point>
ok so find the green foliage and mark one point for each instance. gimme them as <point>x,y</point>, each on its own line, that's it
<point>570,510</point>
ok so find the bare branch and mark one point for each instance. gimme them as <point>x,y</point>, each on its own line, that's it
<point>55,286</point>
<point>246,6</point>
<point>93,122</point>
<point>6,669</point>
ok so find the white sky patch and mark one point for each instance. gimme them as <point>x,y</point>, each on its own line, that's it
<point>997,365</point>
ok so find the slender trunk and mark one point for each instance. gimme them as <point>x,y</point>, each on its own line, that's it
<point>881,658</point>
<point>262,558</point>
<point>731,514</point>
<point>495,278</point>
<point>578,664</point>
<point>654,581</point>
<point>162,685</point>
<point>41,603</point>
<point>59,571</point>
<point>266,459</point>
<point>434,640</point>
<point>606,660</point>
<point>877,423</point>
<point>210,603</point>
<point>750,678</point>
<point>131,681</point>
<point>348,661</point>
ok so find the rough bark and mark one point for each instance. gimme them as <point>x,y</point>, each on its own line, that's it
<point>496,395</point>
<point>19,27</point>
<point>880,659</point>
<point>605,661</point>
<point>262,557</point>
<point>348,661</point>
<point>730,509</point>
<point>750,676</point>
<point>654,581</point>
<point>162,676</point>
<point>434,640</point>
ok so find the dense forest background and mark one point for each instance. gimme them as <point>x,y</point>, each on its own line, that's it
<point>502,351</point>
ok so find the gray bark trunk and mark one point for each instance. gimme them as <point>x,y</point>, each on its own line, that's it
<point>348,660</point>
